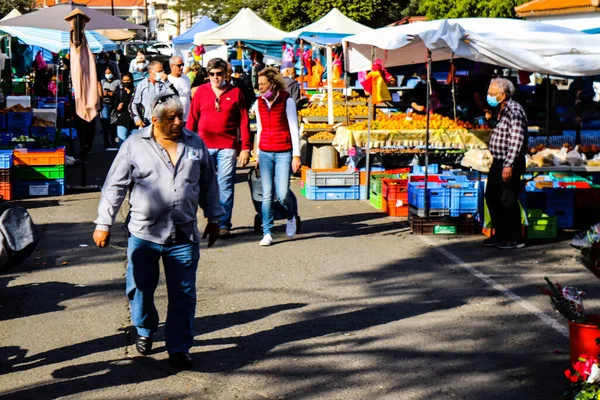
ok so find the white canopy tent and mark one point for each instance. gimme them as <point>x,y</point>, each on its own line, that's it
<point>523,45</point>
<point>334,21</point>
<point>246,25</point>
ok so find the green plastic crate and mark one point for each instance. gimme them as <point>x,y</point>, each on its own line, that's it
<point>567,177</point>
<point>376,200</point>
<point>39,172</point>
<point>541,226</point>
<point>376,184</point>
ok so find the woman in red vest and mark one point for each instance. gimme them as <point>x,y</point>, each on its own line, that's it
<point>278,149</point>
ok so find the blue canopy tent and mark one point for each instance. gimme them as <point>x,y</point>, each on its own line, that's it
<point>183,42</point>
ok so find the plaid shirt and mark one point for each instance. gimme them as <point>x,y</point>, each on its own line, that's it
<point>509,138</point>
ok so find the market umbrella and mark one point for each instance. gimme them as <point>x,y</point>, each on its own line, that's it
<point>116,34</point>
<point>53,18</point>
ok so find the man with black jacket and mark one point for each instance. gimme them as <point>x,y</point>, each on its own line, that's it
<point>242,83</point>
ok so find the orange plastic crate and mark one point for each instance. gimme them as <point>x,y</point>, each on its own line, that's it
<point>396,208</point>
<point>5,191</point>
<point>39,157</point>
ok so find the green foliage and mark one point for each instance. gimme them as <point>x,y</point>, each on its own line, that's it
<point>24,6</point>
<point>435,9</point>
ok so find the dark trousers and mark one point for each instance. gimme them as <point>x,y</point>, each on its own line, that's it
<point>503,201</point>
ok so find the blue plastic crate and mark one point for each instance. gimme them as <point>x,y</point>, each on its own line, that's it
<point>432,168</point>
<point>19,120</point>
<point>3,121</point>
<point>43,131</point>
<point>333,193</point>
<point>363,193</point>
<point>464,200</point>
<point>6,159</point>
<point>439,196</point>
<point>565,218</point>
<point>560,199</point>
<point>24,189</point>
<point>5,138</point>
<point>60,107</point>
<point>19,131</point>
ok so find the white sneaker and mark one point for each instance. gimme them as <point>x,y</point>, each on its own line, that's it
<point>290,227</point>
<point>266,240</point>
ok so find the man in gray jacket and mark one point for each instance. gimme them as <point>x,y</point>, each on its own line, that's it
<point>169,173</point>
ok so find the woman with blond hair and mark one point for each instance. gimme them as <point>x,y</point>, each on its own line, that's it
<point>278,149</point>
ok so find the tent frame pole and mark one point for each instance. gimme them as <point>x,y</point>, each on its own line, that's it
<point>547,110</point>
<point>427,110</point>
<point>330,116</point>
<point>369,122</point>
<point>452,76</point>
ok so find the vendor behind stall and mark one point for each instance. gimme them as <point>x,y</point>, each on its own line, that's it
<point>418,97</point>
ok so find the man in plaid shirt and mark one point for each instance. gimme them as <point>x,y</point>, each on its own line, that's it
<point>508,146</point>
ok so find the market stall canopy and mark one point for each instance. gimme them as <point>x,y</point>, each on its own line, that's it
<point>116,34</point>
<point>52,40</point>
<point>53,18</point>
<point>333,22</point>
<point>245,26</point>
<point>523,45</point>
<point>203,25</point>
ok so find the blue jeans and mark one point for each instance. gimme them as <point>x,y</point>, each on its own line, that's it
<point>105,123</point>
<point>275,170</point>
<point>180,259</point>
<point>122,133</point>
<point>224,161</point>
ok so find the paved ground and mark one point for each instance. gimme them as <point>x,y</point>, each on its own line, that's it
<point>354,307</point>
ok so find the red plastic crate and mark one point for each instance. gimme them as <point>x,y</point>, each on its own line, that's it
<point>5,191</point>
<point>587,198</point>
<point>430,178</point>
<point>574,185</point>
<point>39,157</point>
<point>394,187</point>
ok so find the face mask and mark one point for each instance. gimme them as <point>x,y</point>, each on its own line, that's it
<point>108,76</point>
<point>268,94</point>
<point>492,101</point>
<point>157,77</point>
<point>128,85</point>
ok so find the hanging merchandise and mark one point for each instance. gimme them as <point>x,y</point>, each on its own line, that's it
<point>288,53</point>
<point>240,51</point>
<point>336,69</point>
<point>198,52</point>
<point>317,74</point>
<point>308,64</point>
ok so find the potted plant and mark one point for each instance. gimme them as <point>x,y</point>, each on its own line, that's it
<point>583,329</point>
<point>584,378</point>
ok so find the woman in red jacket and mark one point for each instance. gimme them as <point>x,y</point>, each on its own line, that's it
<point>278,148</point>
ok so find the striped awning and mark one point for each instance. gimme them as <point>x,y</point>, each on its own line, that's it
<point>56,41</point>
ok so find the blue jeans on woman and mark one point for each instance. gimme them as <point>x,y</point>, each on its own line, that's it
<point>106,127</point>
<point>275,172</point>
<point>122,133</point>
<point>180,259</point>
<point>224,161</point>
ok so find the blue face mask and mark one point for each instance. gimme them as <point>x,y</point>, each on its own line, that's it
<point>492,100</point>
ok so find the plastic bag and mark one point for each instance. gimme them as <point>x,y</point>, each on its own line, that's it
<point>574,157</point>
<point>544,158</point>
<point>479,160</point>
<point>560,158</point>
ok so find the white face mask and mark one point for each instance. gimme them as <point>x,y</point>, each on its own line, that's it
<point>157,76</point>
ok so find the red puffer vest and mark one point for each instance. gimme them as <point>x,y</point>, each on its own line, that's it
<point>275,134</point>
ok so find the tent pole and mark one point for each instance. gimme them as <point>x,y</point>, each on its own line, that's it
<point>301,59</point>
<point>330,117</point>
<point>547,110</point>
<point>452,70</point>
<point>427,131</point>
<point>369,121</point>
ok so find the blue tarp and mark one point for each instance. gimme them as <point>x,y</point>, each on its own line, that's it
<point>56,41</point>
<point>269,48</point>
<point>319,38</point>
<point>202,25</point>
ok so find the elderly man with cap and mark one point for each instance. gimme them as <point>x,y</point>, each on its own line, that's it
<point>288,72</point>
<point>168,172</point>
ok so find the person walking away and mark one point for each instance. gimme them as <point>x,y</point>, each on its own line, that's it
<point>217,113</point>
<point>124,123</point>
<point>107,88</point>
<point>508,146</point>
<point>249,95</point>
<point>200,78</point>
<point>288,72</point>
<point>156,84</point>
<point>182,84</point>
<point>122,62</point>
<point>278,149</point>
<point>169,172</point>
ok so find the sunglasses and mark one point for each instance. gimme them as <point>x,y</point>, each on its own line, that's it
<point>217,105</point>
<point>220,73</point>
<point>179,65</point>
<point>163,99</point>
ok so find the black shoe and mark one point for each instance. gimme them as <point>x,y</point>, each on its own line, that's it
<point>181,360</point>
<point>510,244</point>
<point>491,242</point>
<point>143,345</point>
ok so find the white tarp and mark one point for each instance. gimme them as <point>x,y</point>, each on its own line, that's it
<point>334,21</point>
<point>524,45</point>
<point>246,25</point>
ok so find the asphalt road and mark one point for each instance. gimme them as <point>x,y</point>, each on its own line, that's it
<point>354,307</point>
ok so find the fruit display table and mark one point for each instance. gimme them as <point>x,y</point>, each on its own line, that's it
<point>438,138</point>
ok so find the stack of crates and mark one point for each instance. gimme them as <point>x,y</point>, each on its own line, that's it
<point>376,185</point>
<point>395,197</point>
<point>331,184</point>
<point>19,123</point>
<point>5,164</point>
<point>541,225</point>
<point>38,172</point>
